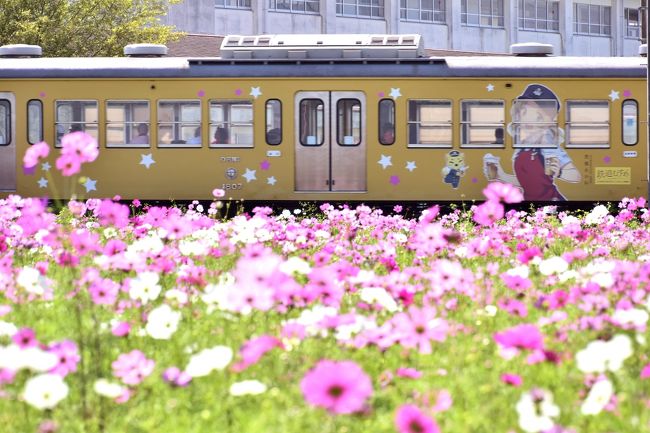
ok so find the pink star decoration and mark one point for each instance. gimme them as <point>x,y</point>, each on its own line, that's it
<point>394,180</point>
<point>265,165</point>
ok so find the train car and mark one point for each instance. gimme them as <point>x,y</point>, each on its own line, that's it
<point>363,118</point>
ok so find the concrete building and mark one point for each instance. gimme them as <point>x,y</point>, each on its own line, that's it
<point>573,27</point>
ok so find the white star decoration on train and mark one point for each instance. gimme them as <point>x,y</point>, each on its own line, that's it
<point>613,95</point>
<point>90,185</point>
<point>271,180</point>
<point>147,160</point>
<point>385,161</point>
<point>490,87</point>
<point>46,166</point>
<point>395,93</point>
<point>255,92</point>
<point>249,175</point>
<point>410,165</point>
<point>42,183</point>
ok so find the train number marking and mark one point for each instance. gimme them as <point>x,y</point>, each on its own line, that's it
<point>273,153</point>
<point>231,186</point>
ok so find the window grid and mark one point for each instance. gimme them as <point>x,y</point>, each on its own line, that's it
<point>539,15</point>
<point>128,123</point>
<point>482,123</point>
<point>231,123</point>
<point>429,123</point>
<point>295,7</point>
<point>432,11</point>
<point>76,115</point>
<point>592,19</point>
<point>587,124</point>
<point>632,23</point>
<point>482,13</point>
<point>178,121</point>
<point>232,4</point>
<point>360,8</point>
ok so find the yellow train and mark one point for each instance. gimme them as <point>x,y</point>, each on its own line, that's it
<point>331,118</point>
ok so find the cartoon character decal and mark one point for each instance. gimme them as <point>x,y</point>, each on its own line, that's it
<point>454,169</point>
<point>538,160</point>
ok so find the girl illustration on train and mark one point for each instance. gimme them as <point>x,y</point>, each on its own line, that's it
<point>539,158</point>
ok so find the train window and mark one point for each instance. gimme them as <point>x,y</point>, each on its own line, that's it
<point>273,122</point>
<point>587,123</point>
<point>312,121</point>
<point>630,122</point>
<point>127,124</point>
<point>482,123</point>
<point>429,123</point>
<point>178,122</point>
<point>534,123</point>
<point>348,122</point>
<point>5,122</point>
<point>72,116</point>
<point>231,123</point>
<point>34,121</point>
<point>387,121</point>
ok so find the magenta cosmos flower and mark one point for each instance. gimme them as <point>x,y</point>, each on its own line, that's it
<point>340,387</point>
<point>410,419</point>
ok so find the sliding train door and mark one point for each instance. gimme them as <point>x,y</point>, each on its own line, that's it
<point>7,142</point>
<point>330,142</point>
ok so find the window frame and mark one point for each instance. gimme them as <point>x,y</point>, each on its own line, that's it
<point>372,5</point>
<point>626,17</point>
<point>273,7</point>
<point>550,25</point>
<point>392,115</point>
<point>212,126</point>
<point>40,118</point>
<point>338,122</point>
<point>601,20</point>
<point>266,122</point>
<point>127,145</point>
<point>568,124</point>
<point>514,123</point>
<point>496,125</point>
<point>434,11</point>
<point>57,139</point>
<point>7,122</point>
<point>322,126</point>
<point>465,13</point>
<point>182,124</point>
<point>239,4</point>
<point>636,104</point>
<point>447,124</point>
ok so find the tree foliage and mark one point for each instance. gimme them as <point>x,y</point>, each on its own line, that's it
<point>84,27</point>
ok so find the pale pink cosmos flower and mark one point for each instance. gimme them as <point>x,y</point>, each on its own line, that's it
<point>25,338</point>
<point>505,192</point>
<point>521,337</point>
<point>132,367</point>
<point>488,213</point>
<point>252,350</point>
<point>175,377</point>
<point>408,372</point>
<point>82,146</point>
<point>218,193</point>
<point>340,387</point>
<point>68,164</point>
<point>35,153</point>
<point>410,419</point>
<point>68,355</point>
<point>418,327</point>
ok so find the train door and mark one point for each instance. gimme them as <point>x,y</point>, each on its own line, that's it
<point>330,141</point>
<point>7,142</point>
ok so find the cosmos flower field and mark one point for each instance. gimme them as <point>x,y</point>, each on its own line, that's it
<point>131,318</point>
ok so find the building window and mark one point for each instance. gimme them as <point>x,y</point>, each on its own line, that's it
<point>429,123</point>
<point>294,6</point>
<point>539,15</point>
<point>422,10</point>
<point>592,19</point>
<point>632,25</point>
<point>482,13</point>
<point>587,123</point>
<point>482,123</point>
<point>231,123</point>
<point>233,4</point>
<point>360,8</point>
<point>73,116</point>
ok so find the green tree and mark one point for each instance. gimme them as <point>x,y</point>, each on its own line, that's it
<point>84,27</point>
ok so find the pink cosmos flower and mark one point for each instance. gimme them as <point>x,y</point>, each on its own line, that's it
<point>115,214</point>
<point>35,153</point>
<point>488,213</point>
<point>81,146</point>
<point>410,419</point>
<point>443,401</point>
<point>511,379</point>
<point>132,367</point>
<point>505,192</point>
<point>218,193</point>
<point>175,377</point>
<point>252,350</point>
<point>410,373</point>
<point>68,164</point>
<point>645,372</point>
<point>104,291</point>
<point>418,327</point>
<point>68,355</point>
<point>25,338</point>
<point>524,336</point>
<point>340,387</point>
<point>121,329</point>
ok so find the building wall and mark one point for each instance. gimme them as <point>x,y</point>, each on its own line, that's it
<point>201,16</point>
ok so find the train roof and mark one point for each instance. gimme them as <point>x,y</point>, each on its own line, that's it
<point>206,67</point>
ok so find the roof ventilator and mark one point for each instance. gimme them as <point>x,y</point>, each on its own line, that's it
<point>531,49</point>
<point>643,50</point>
<point>20,51</point>
<point>145,50</point>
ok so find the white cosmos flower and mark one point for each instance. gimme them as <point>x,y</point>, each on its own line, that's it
<point>162,322</point>
<point>207,360</point>
<point>522,271</point>
<point>553,265</point>
<point>13,357</point>
<point>600,356</point>
<point>108,389</point>
<point>7,329</point>
<point>295,264</point>
<point>378,295</point>
<point>598,215</point>
<point>247,387</point>
<point>535,411</point>
<point>45,391</point>
<point>633,316</point>
<point>144,287</point>
<point>31,280</point>
<point>599,395</point>
<point>217,294</point>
